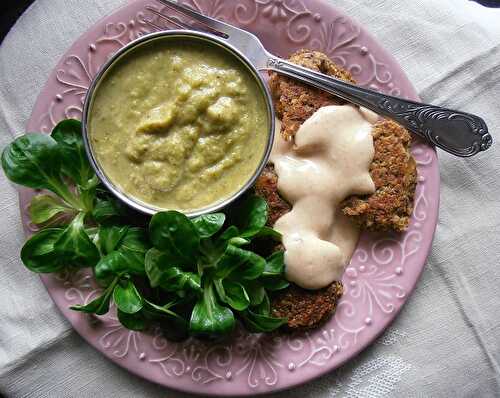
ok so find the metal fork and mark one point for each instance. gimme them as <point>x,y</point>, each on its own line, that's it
<point>459,133</point>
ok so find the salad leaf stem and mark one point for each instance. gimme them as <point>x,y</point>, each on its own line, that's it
<point>100,305</point>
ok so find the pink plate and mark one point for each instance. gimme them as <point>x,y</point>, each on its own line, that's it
<point>382,274</point>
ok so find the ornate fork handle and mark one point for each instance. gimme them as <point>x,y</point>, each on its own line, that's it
<point>458,133</point>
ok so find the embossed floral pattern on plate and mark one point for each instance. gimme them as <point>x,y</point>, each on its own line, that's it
<point>384,268</point>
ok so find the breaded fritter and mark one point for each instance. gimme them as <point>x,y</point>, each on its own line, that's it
<point>267,187</point>
<point>306,309</point>
<point>393,169</point>
<point>294,101</point>
<point>394,172</point>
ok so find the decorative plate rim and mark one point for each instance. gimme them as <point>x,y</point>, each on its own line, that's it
<point>83,327</point>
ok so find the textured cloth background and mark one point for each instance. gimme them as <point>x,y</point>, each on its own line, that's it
<point>446,342</point>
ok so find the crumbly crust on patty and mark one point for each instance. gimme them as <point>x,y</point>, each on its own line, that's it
<point>267,187</point>
<point>394,172</point>
<point>295,102</point>
<point>306,309</point>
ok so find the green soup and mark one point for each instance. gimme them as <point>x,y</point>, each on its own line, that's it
<point>178,125</point>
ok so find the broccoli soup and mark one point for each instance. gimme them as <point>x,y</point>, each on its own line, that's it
<point>179,124</point>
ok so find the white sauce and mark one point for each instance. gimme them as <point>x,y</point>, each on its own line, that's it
<point>328,161</point>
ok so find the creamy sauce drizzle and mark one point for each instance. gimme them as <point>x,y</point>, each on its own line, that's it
<point>328,161</point>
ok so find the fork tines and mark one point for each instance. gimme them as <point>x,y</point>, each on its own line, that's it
<point>175,22</point>
<point>209,25</point>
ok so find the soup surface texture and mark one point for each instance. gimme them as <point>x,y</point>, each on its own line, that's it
<point>179,124</point>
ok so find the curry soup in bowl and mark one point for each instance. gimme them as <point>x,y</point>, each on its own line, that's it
<point>178,120</point>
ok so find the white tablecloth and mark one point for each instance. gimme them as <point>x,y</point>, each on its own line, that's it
<point>446,342</point>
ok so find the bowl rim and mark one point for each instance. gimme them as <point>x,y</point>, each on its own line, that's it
<point>136,203</point>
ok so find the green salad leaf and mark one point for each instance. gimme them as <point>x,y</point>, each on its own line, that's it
<point>74,161</point>
<point>230,233</point>
<point>162,273</point>
<point>209,224</point>
<point>257,323</point>
<point>108,211</point>
<point>209,318</point>
<point>275,264</point>
<point>251,216</point>
<point>49,210</point>
<point>258,318</point>
<point>127,298</point>
<point>136,321</point>
<point>240,264</point>
<point>109,238</point>
<point>235,295</point>
<point>175,235</point>
<point>100,305</point>
<point>38,253</point>
<point>274,284</point>
<point>124,250</point>
<point>160,310</point>
<point>268,232</point>
<point>174,326</point>
<point>74,245</point>
<point>34,160</point>
<point>255,291</point>
<point>272,277</point>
